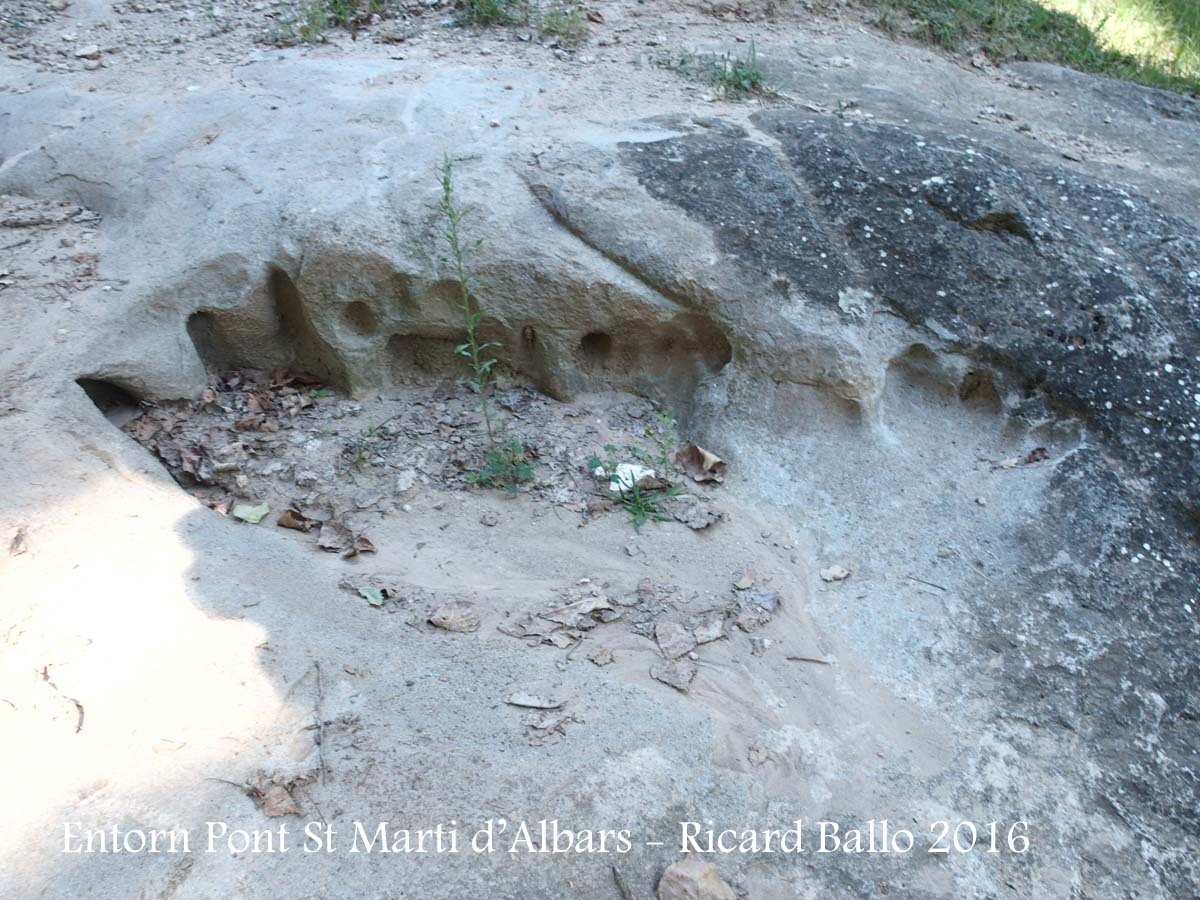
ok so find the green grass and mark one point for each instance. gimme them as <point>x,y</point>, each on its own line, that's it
<point>311,21</point>
<point>643,506</point>
<point>646,506</point>
<point>564,21</point>
<point>506,465</point>
<point>480,13</point>
<point>1152,42</point>
<point>732,76</point>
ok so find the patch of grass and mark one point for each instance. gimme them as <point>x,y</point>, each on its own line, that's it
<point>642,505</point>
<point>646,506</point>
<point>506,465</point>
<point>732,76</point>
<point>1163,34</point>
<point>1151,42</point>
<point>506,462</point>
<point>481,13</point>
<point>307,24</point>
<point>310,22</point>
<point>563,21</point>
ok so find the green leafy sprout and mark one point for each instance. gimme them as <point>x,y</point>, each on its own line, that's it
<point>506,462</point>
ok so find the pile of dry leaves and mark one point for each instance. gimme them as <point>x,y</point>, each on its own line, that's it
<point>245,415</point>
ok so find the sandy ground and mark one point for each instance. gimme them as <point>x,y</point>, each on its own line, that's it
<point>318,675</point>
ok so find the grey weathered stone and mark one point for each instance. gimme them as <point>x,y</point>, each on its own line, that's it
<point>673,639</point>
<point>693,878</point>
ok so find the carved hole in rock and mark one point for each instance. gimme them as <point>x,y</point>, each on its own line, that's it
<point>117,404</point>
<point>596,347</point>
<point>271,330</point>
<point>310,352</point>
<point>202,328</point>
<point>359,319</point>
<point>422,358</point>
<point>978,389</point>
<point>919,377</point>
<point>665,361</point>
<point>1002,222</point>
<point>715,347</point>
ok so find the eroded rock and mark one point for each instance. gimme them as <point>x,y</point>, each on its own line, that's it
<point>693,878</point>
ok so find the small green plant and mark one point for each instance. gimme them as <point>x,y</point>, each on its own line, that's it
<point>608,464</point>
<point>359,452</point>
<point>366,447</point>
<point>734,77</point>
<point>642,505</point>
<point>481,13</point>
<point>506,461</point>
<point>318,393</point>
<point>505,466</point>
<point>307,24</point>
<point>662,431</point>
<point>738,77</point>
<point>310,22</point>
<point>563,21</point>
<point>646,506</point>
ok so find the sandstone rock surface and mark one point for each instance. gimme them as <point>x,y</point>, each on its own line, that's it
<point>923,340</point>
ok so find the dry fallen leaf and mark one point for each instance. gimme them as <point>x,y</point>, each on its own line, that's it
<point>293,518</point>
<point>337,538</point>
<point>579,613</point>
<point>546,725</point>
<point>710,628</point>
<point>277,801</point>
<point>362,544</point>
<point>529,625</point>
<point>699,464</point>
<point>457,615</point>
<point>673,639</point>
<point>371,594</point>
<point>334,536</point>
<point>253,513</point>
<point>758,605</point>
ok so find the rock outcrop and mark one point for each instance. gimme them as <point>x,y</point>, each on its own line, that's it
<point>848,307</point>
